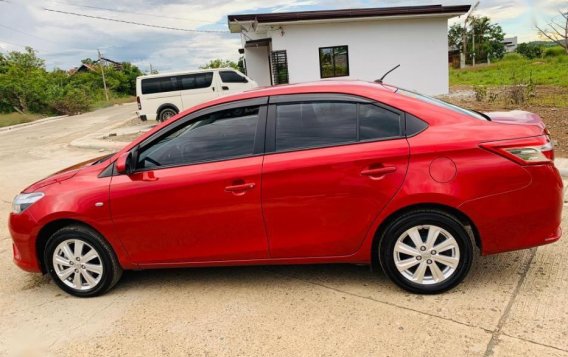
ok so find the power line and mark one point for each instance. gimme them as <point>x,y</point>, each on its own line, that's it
<point>132,22</point>
<point>133,12</point>
<point>25,33</point>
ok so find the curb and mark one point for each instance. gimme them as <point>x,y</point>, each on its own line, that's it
<point>94,141</point>
<point>35,122</point>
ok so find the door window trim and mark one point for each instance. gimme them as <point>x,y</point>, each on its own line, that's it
<point>274,101</point>
<point>259,137</point>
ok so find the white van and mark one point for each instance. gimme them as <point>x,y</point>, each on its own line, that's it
<point>161,96</point>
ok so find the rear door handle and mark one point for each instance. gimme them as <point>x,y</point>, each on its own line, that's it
<point>378,172</point>
<point>241,188</point>
<point>225,88</point>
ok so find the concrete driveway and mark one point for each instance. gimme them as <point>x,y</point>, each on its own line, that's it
<point>513,304</point>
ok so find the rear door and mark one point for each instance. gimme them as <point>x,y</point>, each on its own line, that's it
<point>333,162</point>
<point>197,88</point>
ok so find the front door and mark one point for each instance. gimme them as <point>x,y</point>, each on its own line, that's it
<point>195,194</point>
<point>335,166</point>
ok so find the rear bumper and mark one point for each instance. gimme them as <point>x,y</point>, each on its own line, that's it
<point>522,218</point>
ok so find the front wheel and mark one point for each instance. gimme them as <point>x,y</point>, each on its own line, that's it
<point>81,262</point>
<point>426,251</point>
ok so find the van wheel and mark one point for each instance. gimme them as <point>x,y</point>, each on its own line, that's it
<point>166,114</point>
<point>426,251</point>
<point>81,262</point>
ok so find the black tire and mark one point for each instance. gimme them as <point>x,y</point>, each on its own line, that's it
<point>166,114</point>
<point>111,269</point>
<point>397,228</point>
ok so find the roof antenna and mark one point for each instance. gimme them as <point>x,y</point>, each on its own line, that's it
<point>386,74</point>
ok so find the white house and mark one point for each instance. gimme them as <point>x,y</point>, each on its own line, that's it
<point>361,44</point>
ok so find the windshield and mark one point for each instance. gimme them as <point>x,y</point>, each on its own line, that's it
<point>441,103</point>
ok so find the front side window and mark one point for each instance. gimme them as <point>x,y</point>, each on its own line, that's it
<point>232,77</point>
<point>334,61</point>
<point>218,136</point>
<point>312,124</point>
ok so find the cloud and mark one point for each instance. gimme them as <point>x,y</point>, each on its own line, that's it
<point>63,40</point>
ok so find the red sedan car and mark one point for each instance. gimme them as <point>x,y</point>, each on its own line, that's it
<point>328,172</point>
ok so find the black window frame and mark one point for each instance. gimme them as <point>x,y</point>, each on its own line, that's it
<point>333,60</point>
<point>274,101</point>
<point>243,78</point>
<point>276,64</point>
<point>259,137</point>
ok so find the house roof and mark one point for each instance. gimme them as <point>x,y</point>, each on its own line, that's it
<point>404,11</point>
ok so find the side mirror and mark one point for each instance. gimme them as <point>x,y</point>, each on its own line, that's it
<point>124,163</point>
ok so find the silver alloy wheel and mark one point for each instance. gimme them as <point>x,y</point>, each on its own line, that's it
<point>77,264</point>
<point>426,254</point>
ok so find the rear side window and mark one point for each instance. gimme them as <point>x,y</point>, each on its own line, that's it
<point>304,125</point>
<point>317,124</point>
<point>159,85</point>
<point>232,77</point>
<point>195,81</point>
<point>218,136</point>
<point>377,123</point>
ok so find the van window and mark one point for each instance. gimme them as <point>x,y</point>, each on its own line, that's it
<point>197,80</point>
<point>159,84</point>
<point>232,77</point>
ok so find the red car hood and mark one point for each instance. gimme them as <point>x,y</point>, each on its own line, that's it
<point>516,117</point>
<point>63,175</point>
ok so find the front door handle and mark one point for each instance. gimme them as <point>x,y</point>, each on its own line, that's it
<point>379,172</point>
<point>225,88</point>
<point>240,188</point>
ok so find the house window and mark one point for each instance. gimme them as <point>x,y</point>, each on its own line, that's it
<point>334,61</point>
<point>279,67</point>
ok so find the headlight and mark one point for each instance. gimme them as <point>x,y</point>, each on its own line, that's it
<point>24,200</point>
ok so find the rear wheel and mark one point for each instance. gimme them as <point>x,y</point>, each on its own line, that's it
<point>166,114</point>
<point>426,251</point>
<point>81,262</point>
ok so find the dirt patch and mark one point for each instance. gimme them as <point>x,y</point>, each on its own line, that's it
<point>550,102</point>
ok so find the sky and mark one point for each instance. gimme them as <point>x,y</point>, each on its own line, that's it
<point>63,39</point>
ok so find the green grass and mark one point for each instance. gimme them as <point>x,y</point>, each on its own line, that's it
<point>514,70</point>
<point>17,118</point>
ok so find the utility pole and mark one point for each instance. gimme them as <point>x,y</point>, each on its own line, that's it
<point>473,47</point>
<point>463,55</point>
<point>151,70</point>
<point>103,72</point>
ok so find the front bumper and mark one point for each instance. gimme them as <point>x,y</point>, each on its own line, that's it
<point>22,229</point>
<point>522,218</point>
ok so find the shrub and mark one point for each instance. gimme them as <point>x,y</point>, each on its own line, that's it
<point>555,51</point>
<point>480,93</point>
<point>529,50</point>
<point>75,101</point>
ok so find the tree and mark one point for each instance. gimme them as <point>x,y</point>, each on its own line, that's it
<point>556,32</point>
<point>221,63</point>
<point>22,81</point>
<point>484,39</point>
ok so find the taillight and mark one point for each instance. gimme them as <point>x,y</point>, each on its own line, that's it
<point>527,151</point>
<point>139,104</point>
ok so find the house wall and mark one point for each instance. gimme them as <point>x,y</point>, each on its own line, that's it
<point>419,45</point>
<point>258,66</point>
